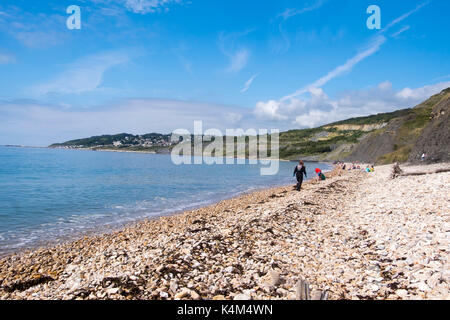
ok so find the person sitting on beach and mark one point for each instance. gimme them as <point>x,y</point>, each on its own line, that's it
<point>320,175</point>
<point>299,171</point>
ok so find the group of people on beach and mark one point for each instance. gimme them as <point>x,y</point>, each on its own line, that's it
<point>355,166</point>
<point>352,166</point>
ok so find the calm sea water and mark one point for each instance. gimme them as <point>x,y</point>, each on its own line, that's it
<point>48,195</point>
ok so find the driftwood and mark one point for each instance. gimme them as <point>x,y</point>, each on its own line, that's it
<point>398,172</point>
<point>303,292</point>
<point>425,173</point>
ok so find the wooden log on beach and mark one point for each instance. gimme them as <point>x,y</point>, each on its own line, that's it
<point>422,173</point>
<point>398,172</point>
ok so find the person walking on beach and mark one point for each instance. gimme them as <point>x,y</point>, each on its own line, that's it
<point>299,171</point>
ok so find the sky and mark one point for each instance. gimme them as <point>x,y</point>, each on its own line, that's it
<point>141,66</point>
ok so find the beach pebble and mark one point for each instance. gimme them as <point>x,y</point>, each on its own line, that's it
<point>242,297</point>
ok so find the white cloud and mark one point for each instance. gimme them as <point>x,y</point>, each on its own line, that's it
<point>387,85</point>
<point>249,83</point>
<point>148,6</point>
<point>81,76</point>
<point>269,110</point>
<point>423,92</point>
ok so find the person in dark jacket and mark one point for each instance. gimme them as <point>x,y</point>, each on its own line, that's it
<point>299,171</point>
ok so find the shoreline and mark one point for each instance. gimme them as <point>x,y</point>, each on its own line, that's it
<point>335,234</point>
<point>101,231</point>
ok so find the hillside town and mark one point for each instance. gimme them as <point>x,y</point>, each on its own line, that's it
<point>120,141</point>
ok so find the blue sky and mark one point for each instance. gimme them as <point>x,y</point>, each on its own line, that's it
<point>141,66</point>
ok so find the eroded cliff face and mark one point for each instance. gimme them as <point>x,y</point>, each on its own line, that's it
<point>423,130</point>
<point>377,144</point>
<point>435,138</point>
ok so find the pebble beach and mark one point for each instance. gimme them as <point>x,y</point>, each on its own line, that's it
<point>356,235</point>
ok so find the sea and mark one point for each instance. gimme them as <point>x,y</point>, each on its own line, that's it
<point>53,195</point>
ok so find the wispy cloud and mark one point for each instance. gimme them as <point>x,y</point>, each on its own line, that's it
<point>148,6</point>
<point>399,32</point>
<point>238,60</point>
<point>238,55</point>
<point>404,16</point>
<point>249,83</point>
<point>288,14</point>
<point>441,78</point>
<point>33,30</point>
<point>85,74</point>
<point>372,48</point>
